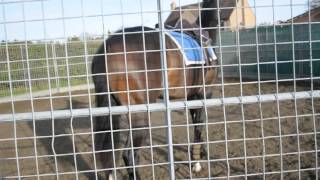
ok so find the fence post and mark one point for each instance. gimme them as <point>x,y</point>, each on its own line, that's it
<point>55,67</point>
<point>166,89</point>
<point>25,73</point>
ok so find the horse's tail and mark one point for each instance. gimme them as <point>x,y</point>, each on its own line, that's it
<point>98,69</point>
<point>102,124</point>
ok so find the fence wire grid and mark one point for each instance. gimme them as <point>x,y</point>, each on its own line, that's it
<point>261,122</point>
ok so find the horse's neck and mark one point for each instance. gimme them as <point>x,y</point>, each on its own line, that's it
<point>209,18</point>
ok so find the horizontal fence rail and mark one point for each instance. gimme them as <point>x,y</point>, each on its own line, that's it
<point>173,105</point>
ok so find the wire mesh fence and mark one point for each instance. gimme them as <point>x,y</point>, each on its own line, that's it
<point>124,104</point>
<point>37,67</point>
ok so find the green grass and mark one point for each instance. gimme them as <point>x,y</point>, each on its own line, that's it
<point>37,67</point>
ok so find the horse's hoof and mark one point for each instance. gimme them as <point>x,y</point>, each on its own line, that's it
<point>110,176</point>
<point>196,168</point>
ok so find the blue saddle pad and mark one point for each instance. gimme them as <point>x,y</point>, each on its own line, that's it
<point>191,50</point>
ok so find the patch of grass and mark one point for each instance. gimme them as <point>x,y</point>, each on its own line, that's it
<point>39,63</point>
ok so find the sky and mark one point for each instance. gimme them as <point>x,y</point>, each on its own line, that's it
<point>57,19</point>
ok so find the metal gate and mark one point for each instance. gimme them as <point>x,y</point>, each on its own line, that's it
<point>262,121</point>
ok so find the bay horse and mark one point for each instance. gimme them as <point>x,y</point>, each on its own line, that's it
<point>127,71</point>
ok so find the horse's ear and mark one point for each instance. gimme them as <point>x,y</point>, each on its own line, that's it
<point>209,17</point>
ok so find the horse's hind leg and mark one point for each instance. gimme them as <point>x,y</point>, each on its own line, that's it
<point>103,141</point>
<point>138,139</point>
<point>197,149</point>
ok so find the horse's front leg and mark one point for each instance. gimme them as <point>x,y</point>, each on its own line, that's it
<point>197,149</point>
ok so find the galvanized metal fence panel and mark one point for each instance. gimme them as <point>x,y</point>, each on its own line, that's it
<point>262,122</point>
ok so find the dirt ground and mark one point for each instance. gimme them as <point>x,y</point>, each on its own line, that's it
<point>253,146</point>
